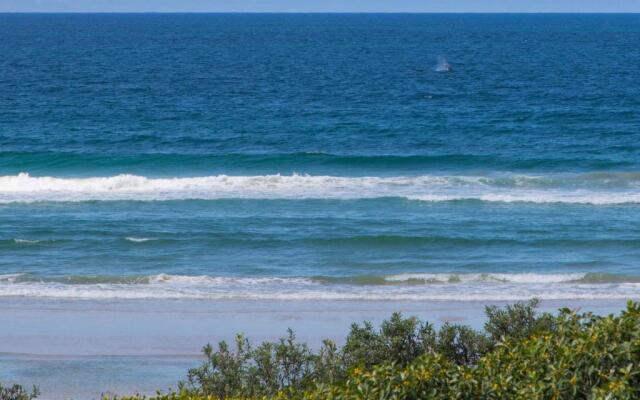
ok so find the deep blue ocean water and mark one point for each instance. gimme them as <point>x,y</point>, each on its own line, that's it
<point>401,157</point>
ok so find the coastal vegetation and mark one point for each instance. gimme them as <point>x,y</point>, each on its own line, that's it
<point>17,392</point>
<point>520,354</point>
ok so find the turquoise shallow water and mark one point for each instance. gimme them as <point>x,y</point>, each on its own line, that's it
<point>302,157</point>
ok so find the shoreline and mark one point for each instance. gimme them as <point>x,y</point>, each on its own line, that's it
<point>182,327</point>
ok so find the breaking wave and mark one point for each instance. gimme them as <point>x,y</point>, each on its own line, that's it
<point>414,287</point>
<point>138,239</point>
<point>26,241</point>
<point>598,188</point>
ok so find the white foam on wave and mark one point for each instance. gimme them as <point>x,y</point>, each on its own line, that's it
<point>9,278</point>
<point>26,241</point>
<point>433,188</point>
<point>524,278</point>
<point>138,239</point>
<point>469,287</point>
<point>539,197</point>
<point>224,280</point>
<point>621,291</point>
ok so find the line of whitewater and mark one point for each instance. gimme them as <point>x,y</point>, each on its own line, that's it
<point>581,189</point>
<point>418,287</point>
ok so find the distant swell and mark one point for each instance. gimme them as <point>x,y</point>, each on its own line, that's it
<point>416,287</point>
<point>316,162</point>
<point>593,188</point>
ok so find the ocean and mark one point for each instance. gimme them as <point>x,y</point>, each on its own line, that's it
<point>314,160</point>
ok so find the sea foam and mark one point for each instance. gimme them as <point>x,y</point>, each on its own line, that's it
<point>138,239</point>
<point>580,189</point>
<point>25,241</point>
<point>413,287</point>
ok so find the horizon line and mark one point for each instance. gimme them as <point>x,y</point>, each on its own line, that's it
<point>336,12</point>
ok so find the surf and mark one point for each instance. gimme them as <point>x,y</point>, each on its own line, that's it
<point>400,287</point>
<point>590,188</point>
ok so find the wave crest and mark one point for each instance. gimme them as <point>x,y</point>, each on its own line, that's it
<point>602,189</point>
<point>135,239</point>
<point>414,287</point>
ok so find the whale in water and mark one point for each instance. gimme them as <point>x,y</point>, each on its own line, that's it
<point>443,65</point>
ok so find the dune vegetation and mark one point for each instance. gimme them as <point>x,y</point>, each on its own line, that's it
<point>520,354</point>
<point>17,392</point>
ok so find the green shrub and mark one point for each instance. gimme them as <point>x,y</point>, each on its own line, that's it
<point>17,392</point>
<point>583,357</point>
<point>399,340</point>
<point>516,321</point>
<point>428,377</point>
<point>521,356</point>
<point>461,344</point>
<point>288,368</point>
<point>264,370</point>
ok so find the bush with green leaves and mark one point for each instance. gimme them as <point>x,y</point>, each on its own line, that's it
<point>578,356</point>
<point>516,321</point>
<point>17,392</point>
<point>290,367</point>
<point>521,355</point>
<point>264,370</point>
